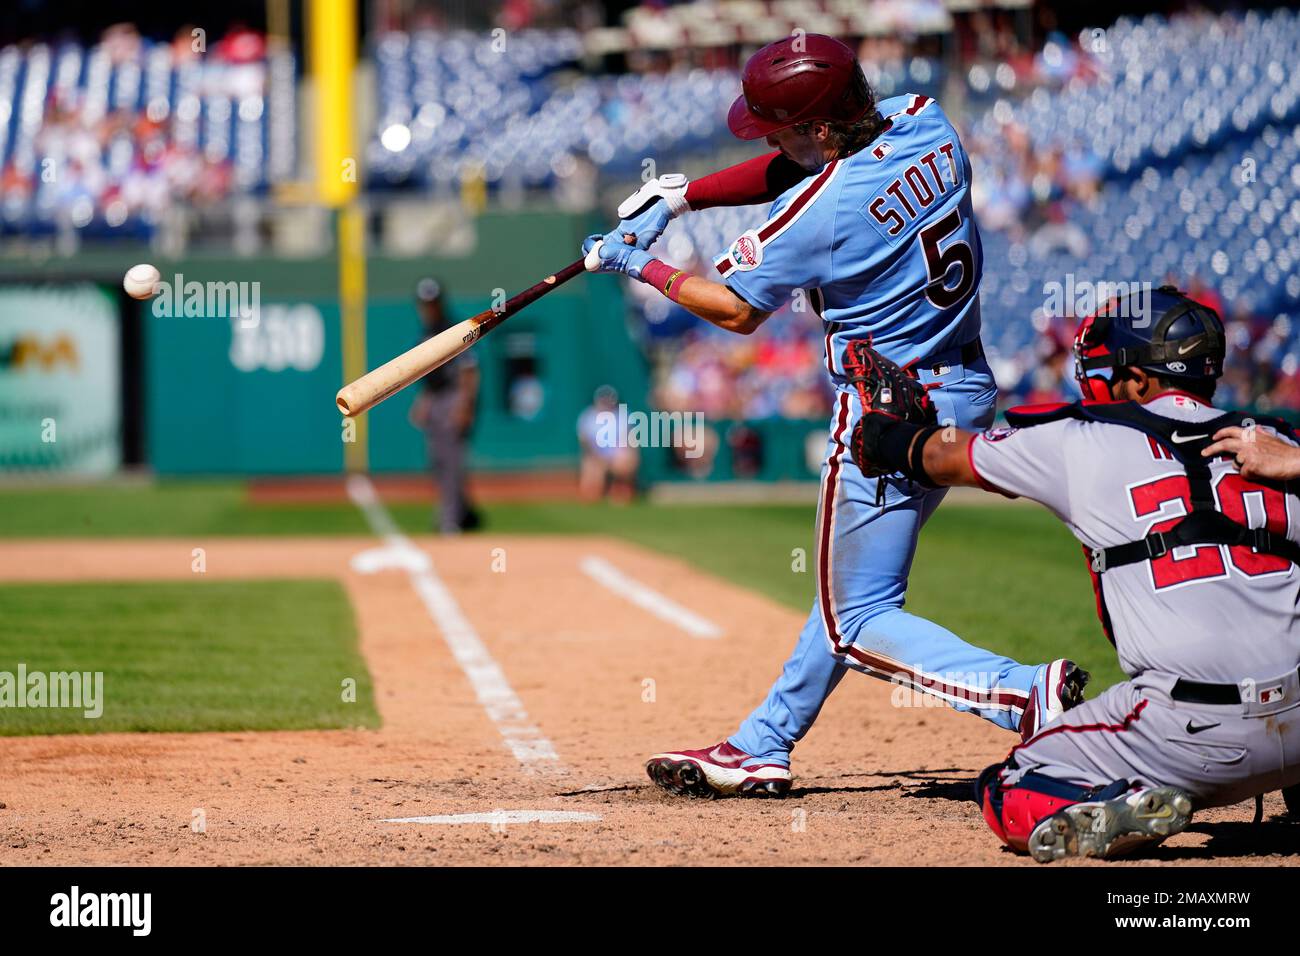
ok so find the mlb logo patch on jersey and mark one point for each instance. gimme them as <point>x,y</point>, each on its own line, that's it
<point>747,252</point>
<point>1252,693</point>
<point>1272,695</point>
<point>881,150</point>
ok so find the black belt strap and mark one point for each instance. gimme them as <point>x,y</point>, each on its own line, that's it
<point>1197,528</point>
<point>971,352</point>
<point>1198,692</point>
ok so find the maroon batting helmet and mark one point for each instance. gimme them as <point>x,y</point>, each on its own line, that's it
<point>797,80</point>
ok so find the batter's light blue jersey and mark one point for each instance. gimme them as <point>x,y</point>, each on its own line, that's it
<point>883,242</point>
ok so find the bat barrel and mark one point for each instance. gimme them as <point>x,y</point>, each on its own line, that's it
<point>393,376</point>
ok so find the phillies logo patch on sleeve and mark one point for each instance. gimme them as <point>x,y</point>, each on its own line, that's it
<point>747,252</point>
<point>999,433</point>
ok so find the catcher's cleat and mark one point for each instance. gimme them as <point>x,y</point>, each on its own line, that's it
<point>1109,828</point>
<point>716,772</point>
<point>1291,795</point>
<point>1061,689</point>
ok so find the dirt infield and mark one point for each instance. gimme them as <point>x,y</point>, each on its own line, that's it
<point>605,681</point>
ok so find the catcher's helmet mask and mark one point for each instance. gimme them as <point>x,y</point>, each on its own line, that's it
<point>1171,336</point>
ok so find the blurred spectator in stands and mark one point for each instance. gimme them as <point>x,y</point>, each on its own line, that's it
<point>1045,374</point>
<point>608,463</point>
<point>188,43</point>
<point>517,14</point>
<point>241,45</point>
<point>1059,232</point>
<point>121,42</point>
<point>778,374</point>
<point>1285,393</point>
<point>14,184</point>
<point>1202,293</point>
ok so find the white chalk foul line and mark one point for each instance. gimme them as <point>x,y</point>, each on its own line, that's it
<point>504,817</point>
<point>494,693</point>
<point>605,574</point>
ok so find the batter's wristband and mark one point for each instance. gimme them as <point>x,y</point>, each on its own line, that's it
<point>902,448</point>
<point>667,279</point>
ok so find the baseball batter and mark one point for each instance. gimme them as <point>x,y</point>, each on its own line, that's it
<point>872,222</point>
<point>1194,565</point>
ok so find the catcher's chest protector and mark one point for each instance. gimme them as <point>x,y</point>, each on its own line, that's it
<point>1204,523</point>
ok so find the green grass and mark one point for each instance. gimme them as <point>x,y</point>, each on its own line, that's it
<point>189,656</point>
<point>1007,577</point>
<point>189,508</point>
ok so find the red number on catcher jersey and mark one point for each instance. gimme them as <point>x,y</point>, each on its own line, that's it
<point>1237,498</point>
<point>1173,496</point>
<point>1240,499</point>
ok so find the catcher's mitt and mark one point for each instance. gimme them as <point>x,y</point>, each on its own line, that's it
<point>889,394</point>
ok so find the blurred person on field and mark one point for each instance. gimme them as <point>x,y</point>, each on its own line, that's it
<point>444,410</point>
<point>608,462</point>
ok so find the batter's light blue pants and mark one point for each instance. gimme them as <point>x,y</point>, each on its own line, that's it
<point>863,554</point>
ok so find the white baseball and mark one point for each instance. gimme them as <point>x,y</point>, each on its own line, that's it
<point>141,281</point>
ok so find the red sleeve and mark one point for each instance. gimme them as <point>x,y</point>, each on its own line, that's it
<point>756,180</point>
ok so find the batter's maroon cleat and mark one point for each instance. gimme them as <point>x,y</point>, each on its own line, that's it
<point>1061,689</point>
<point>717,772</point>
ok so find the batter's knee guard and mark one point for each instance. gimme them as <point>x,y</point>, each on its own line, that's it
<point>1013,811</point>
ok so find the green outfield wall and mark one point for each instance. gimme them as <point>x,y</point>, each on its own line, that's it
<point>207,391</point>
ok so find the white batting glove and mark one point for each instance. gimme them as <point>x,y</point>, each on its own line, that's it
<point>646,212</point>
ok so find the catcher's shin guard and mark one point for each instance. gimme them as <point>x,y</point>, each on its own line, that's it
<point>1012,812</point>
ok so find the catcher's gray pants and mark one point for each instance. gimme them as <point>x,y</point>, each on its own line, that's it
<point>1220,754</point>
<point>446,446</point>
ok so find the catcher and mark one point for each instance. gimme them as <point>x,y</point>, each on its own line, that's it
<point>1194,566</point>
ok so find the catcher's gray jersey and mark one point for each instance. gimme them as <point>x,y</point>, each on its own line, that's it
<point>1208,613</point>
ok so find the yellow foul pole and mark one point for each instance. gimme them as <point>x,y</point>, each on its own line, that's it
<point>332,29</point>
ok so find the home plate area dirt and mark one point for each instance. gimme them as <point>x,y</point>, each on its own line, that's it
<point>520,697</point>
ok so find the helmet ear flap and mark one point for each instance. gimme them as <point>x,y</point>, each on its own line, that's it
<point>1091,333</point>
<point>1095,388</point>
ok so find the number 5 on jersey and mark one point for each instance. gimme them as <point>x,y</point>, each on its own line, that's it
<point>943,288</point>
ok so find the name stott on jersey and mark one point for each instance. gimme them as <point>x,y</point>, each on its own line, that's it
<point>1211,612</point>
<point>883,241</point>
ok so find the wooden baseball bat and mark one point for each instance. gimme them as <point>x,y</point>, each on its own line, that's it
<point>393,376</point>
